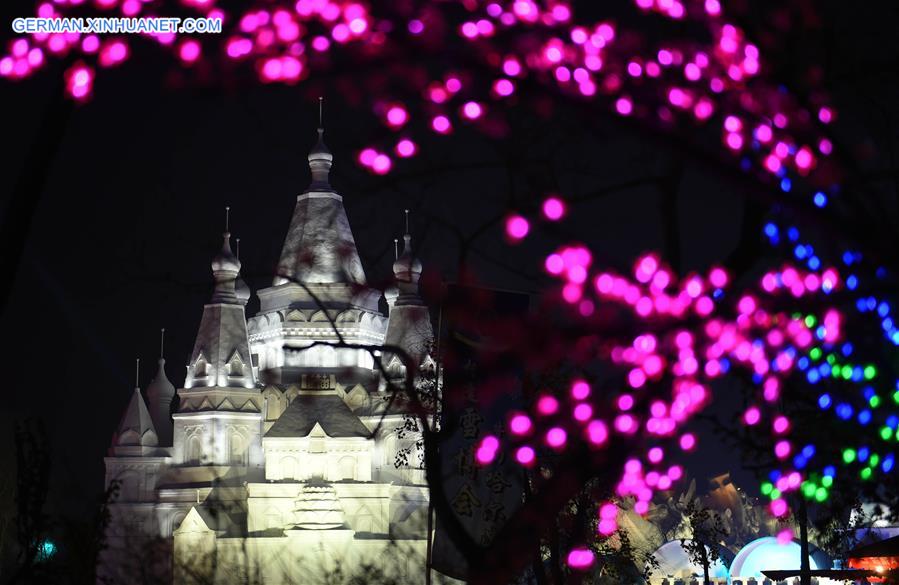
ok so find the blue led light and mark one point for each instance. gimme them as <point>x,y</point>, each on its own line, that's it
<point>824,401</point>
<point>814,263</point>
<point>799,462</point>
<point>892,421</point>
<point>847,349</point>
<point>864,417</point>
<point>863,454</point>
<point>813,376</point>
<point>802,364</point>
<point>820,199</point>
<point>847,257</point>
<point>774,475</point>
<point>883,309</point>
<point>872,302</point>
<point>830,471</point>
<point>808,451</point>
<point>888,463</point>
<point>793,234</point>
<point>800,252</point>
<point>868,392</point>
<point>785,185</point>
<point>771,231</point>
<point>844,411</point>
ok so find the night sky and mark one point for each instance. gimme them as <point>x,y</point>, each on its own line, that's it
<point>133,209</point>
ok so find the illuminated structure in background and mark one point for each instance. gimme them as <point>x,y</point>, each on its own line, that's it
<point>281,458</point>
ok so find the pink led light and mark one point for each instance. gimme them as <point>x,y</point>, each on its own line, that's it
<point>779,507</point>
<point>503,87</point>
<point>625,402</point>
<point>367,156</point>
<point>752,416</point>
<point>582,412</point>
<point>782,449</point>
<point>580,390</point>
<point>580,558</point>
<point>624,106</point>
<point>517,227</point>
<point>405,148</point>
<point>397,116</point>
<point>525,456</point>
<point>556,437</point>
<point>687,441</point>
<point>487,450</point>
<point>625,423</point>
<point>511,67</point>
<point>472,110</point>
<point>597,432</point>
<point>785,536</point>
<point>781,425</point>
<point>655,455</point>
<point>553,208</point>
<point>520,424</point>
<point>441,124</point>
<point>547,405</point>
<point>189,51</point>
<point>381,164</point>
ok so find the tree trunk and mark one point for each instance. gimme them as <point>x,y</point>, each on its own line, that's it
<point>705,567</point>
<point>805,577</point>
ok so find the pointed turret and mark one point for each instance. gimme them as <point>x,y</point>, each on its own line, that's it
<point>319,247</point>
<point>160,393</point>
<point>135,433</point>
<point>409,322</point>
<point>221,354</point>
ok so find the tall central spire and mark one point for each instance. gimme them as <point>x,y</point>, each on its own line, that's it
<point>319,247</point>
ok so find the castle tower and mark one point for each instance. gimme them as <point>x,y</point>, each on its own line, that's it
<point>160,393</point>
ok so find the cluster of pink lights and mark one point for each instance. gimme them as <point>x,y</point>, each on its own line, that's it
<point>287,41</point>
<point>735,330</point>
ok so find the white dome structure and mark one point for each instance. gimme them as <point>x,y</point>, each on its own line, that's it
<point>675,564</point>
<point>765,554</point>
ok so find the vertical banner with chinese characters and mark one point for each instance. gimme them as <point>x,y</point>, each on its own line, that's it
<point>479,389</point>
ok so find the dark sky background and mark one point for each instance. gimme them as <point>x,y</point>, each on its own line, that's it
<point>132,213</point>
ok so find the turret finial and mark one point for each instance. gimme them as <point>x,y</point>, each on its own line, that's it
<point>396,248</point>
<point>137,375</point>
<point>407,221</point>
<point>161,343</point>
<point>321,124</point>
<point>237,240</point>
<point>227,218</point>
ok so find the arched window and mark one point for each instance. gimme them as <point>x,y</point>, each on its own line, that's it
<point>346,468</point>
<point>238,450</point>
<point>288,468</point>
<point>129,486</point>
<point>194,450</point>
<point>235,366</point>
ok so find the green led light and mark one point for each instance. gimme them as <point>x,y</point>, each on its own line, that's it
<point>815,354</point>
<point>827,481</point>
<point>821,494</point>
<point>775,493</point>
<point>848,456</point>
<point>847,372</point>
<point>886,433</point>
<point>808,490</point>
<point>810,321</point>
<point>896,396</point>
<point>766,488</point>
<point>831,359</point>
<point>865,473</point>
<point>870,372</point>
<point>873,460</point>
<point>874,401</point>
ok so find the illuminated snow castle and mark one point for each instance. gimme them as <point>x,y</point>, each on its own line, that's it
<point>280,461</point>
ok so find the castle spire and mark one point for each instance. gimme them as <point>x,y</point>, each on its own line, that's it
<point>319,247</point>
<point>225,268</point>
<point>320,158</point>
<point>160,393</point>
<point>241,290</point>
<point>136,432</point>
<point>221,356</point>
